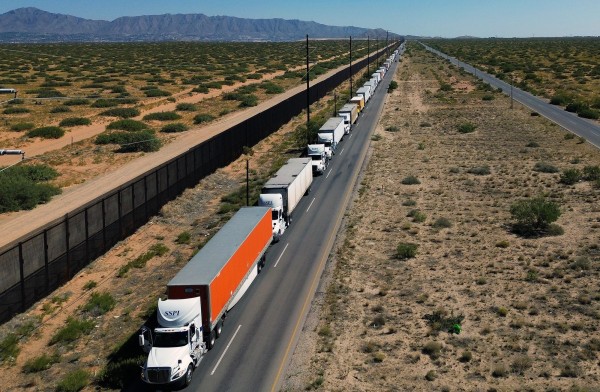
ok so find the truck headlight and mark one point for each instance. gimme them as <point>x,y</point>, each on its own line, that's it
<point>177,372</point>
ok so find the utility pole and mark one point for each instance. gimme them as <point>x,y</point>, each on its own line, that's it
<point>307,96</point>
<point>368,57</point>
<point>350,66</point>
<point>511,91</point>
<point>334,103</point>
<point>387,49</point>
<point>247,182</point>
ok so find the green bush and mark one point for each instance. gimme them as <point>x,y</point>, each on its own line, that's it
<point>22,187</point>
<point>72,331</point>
<point>73,381</point>
<point>479,170</point>
<point>162,116</point>
<point>392,128</point>
<point>15,110</point>
<point>117,372</point>
<point>127,125</point>
<point>9,348</point>
<point>248,101</point>
<point>533,216</point>
<point>543,167</point>
<point>61,109</point>
<point>417,216</point>
<point>19,127</point>
<point>446,87</point>
<point>570,176</point>
<point>406,250</point>
<point>184,238</point>
<point>487,97</point>
<point>392,86</point>
<point>591,173</point>
<point>560,99</point>
<point>105,103</point>
<point>99,303</point>
<point>202,118</point>
<point>121,112</point>
<point>155,92</point>
<point>410,180</point>
<point>49,93</point>
<point>442,223</point>
<point>47,132</point>
<point>74,121</point>
<point>466,127</point>
<point>41,363</point>
<point>76,102</point>
<point>145,141</point>
<point>432,349</point>
<point>174,128</point>
<point>186,107</point>
<point>588,113</point>
<point>271,88</point>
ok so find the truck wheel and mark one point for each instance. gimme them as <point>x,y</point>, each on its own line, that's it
<point>219,329</point>
<point>211,340</point>
<point>187,379</point>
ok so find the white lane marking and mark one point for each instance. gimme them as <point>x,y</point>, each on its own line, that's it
<point>279,258</point>
<point>327,176</point>
<point>226,348</point>
<point>311,203</point>
<point>341,152</point>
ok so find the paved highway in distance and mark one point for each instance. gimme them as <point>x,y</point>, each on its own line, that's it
<point>569,121</point>
<point>260,333</point>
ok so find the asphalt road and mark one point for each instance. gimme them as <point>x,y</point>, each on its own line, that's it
<point>569,121</point>
<point>260,333</point>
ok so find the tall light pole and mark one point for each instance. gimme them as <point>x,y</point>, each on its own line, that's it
<point>307,95</point>
<point>350,66</point>
<point>368,57</point>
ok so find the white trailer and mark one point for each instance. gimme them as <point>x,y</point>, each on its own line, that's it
<point>350,113</point>
<point>283,192</point>
<point>365,91</point>
<point>374,82</point>
<point>331,133</point>
<point>376,75</point>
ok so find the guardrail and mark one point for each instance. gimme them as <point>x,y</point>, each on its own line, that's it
<point>50,256</point>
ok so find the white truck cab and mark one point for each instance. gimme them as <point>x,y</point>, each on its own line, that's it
<point>279,223</point>
<point>327,140</point>
<point>316,152</point>
<point>175,348</point>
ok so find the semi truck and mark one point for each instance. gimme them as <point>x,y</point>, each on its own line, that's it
<point>365,91</point>
<point>359,100</point>
<point>316,152</point>
<point>283,192</point>
<point>350,113</point>
<point>201,294</point>
<point>331,133</point>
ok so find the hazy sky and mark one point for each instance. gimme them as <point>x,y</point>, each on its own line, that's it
<point>446,18</point>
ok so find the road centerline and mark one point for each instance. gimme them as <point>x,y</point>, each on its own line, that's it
<point>311,203</point>
<point>226,348</point>
<point>281,255</point>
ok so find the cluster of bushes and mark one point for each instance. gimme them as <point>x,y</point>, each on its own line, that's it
<point>145,140</point>
<point>47,132</point>
<point>581,108</point>
<point>75,121</point>
<point>24,187</point>
<point>572,176</point>
<point>162,116</point>
<point>121,112</point>
<point>535,216</point>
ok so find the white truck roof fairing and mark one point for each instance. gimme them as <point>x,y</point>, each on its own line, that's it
<point>178,312</point>
<point>314,149</point>
<point>273,200</point>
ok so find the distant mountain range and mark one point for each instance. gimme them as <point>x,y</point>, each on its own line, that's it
<point>34,25</point>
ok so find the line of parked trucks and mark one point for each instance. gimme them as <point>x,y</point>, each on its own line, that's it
<point>213,281</point>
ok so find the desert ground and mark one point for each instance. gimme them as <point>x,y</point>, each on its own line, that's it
<point>530,305</point>
<point>529,308</point>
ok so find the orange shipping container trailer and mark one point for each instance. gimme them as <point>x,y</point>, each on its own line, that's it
<point>217,272</point>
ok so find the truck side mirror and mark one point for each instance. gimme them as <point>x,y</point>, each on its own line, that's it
<point>141,340</point>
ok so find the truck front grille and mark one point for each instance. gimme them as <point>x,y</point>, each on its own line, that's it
<point>159,375</point>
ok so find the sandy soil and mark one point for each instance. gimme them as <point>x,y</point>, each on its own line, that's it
<point>531,306</point>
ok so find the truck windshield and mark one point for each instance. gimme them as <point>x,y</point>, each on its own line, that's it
<point>170,339</point>
<point>316,157</point>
